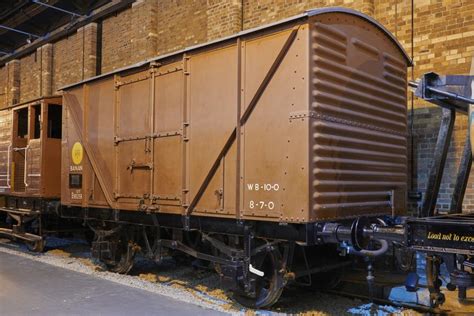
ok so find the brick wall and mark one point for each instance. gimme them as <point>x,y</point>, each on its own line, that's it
<point>116,44</point>
<point>266,11</point>
<point>3,87</point>
<point>67,65</point>
<point>443,40</point>
<point>144,35</point>
<point>46,69</point>
<point>29,77</point>
<point>181,23</point>
<point>36,74</point>
<point>12,68</point>
<point>88,34</point>
<point>223,18</point>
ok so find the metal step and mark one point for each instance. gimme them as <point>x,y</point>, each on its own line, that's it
<point>23,236</point>
<point>20,211</point>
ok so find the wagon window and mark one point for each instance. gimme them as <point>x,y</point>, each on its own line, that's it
<point>36,121</point>
<point>75,181</point>
<point>22,123</point>
<point>54,121</point>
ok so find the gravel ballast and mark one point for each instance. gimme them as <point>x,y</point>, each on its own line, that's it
<point>197,286</point>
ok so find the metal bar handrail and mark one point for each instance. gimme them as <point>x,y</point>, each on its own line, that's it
<point>26,166</point>
<point>8,186</point>
<point>26,162</point>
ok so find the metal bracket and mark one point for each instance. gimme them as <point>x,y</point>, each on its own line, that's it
<point>154,65</point>
<point>299,115</point>
<point>118,139</point>
<point>432,275</point>
<point>445,91</point>
<point>302,114</point>
<point>134,165</point>
<point>118,83</point>
<point>227,250</point>
<point>440,155</point>
<point>186,222</point>
<point>165,197</point>
<point>462,178</point>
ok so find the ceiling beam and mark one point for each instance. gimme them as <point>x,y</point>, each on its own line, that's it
<point>28,12</point>
<point>100,13</point>
<point>82,6</point>
<point>57,8</point>
<point>19,31</point>
<point>14,7</point>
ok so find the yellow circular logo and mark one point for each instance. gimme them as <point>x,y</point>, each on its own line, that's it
<point>77,153</point>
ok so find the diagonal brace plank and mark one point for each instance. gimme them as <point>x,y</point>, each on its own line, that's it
<point>72,105</point>
<point>248,112</point>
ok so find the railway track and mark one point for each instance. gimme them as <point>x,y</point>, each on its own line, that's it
<point>179,280</point>
<point>380,301</point>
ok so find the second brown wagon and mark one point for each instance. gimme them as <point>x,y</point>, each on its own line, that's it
<point>30,167</point>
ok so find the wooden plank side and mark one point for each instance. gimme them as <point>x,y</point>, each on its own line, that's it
<point>134,155</point>
<point>213,82</point>
<point>71,135</point>
<point>168,138</point>
<point>100,137</point>
<point>275,146</point>
<point>50,152</point>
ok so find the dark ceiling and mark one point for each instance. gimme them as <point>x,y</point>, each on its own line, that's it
<point>30,17</point>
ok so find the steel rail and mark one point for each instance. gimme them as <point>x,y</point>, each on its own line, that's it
<point>421,308</point>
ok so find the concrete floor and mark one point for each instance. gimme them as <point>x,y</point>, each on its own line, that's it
<point>34,288</point>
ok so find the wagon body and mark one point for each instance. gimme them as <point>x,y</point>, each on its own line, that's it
<point>30,149</point>
<point>300,121</point>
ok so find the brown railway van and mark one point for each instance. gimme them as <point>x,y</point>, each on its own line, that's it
<point>298,122</point>
<point>260,135</point>
<point>30,172</point>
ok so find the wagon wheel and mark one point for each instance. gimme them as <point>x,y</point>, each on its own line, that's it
<point>36,246</point>
<point>124,255</point>
<point>33,226</point>
<point>269,287</point>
